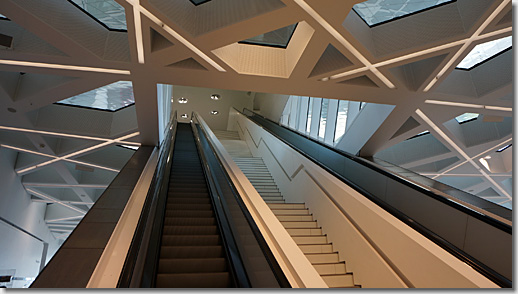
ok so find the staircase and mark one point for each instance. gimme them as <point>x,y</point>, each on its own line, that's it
<point>295,217</point>
<point>191,254</point>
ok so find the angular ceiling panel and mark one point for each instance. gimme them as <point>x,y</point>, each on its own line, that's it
<point>360,81</point>
<point>158,41</point>
<point>332,59</point>
<point>408,125</point>
<point>189,63</point>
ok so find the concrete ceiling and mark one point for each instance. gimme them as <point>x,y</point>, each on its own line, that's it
<point>332,54</point>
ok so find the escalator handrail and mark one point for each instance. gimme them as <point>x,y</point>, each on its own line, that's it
<point>450,202</point>
<point>488,272</point>
<point>137,256</point>
<point>275,267</point>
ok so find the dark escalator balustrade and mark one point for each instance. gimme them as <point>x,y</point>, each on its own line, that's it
<point>191,251</point>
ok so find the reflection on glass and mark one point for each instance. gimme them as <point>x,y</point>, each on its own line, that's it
<point>484,51</point>
<point>466,117</point>
<point>108,12</point>
<point>310,111</point>
<point>110,97</point>
<point>378,11</point>
<point>278,38</point>
<point>341,119</point>
<point>323,118</point>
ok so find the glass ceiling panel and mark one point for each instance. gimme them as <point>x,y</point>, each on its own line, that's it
<point>278,38</point>
<point>107,12</point>
<point>111,97</point>
<point>466,117</point>
<point>374,12</point>
<point>483,52</point>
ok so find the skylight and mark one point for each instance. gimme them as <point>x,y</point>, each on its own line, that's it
<point>3,16</point>
<point>107,12</point>
<point>111,97</point>
<point>278,38</point>
<point>485,51</point>
<point>504,148</point>
<point>375,12</point>
<point>466,117</point>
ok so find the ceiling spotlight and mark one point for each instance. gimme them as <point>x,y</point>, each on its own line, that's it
<point>214,112</point>
<point>215,96</point>
<point>182,100</point>
<point>184,115</point>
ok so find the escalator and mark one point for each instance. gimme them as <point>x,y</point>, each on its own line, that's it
<point>191,252</point>
<point>194,231</point>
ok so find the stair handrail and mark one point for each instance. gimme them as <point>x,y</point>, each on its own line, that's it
<point>140,265</point>
<point>480,267</point>
<point>294,264</point>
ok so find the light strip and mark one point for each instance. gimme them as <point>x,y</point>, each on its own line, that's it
<point>174,34</point>
<point>498,108</point>
<point>459,104</point>
<point>78,152</point>
<point>63,135</point>
<point>331,30</point>
<point>63,66</point>
<point>448,103</point>
<point>459,150</point>
<point>138,32</point>
<point>64,219</point>
<point>467,44</point>
<point>55,200</point>
<point>52,156</point>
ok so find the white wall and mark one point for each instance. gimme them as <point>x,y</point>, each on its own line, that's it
<point>18,250</point>
<point>270,105</point>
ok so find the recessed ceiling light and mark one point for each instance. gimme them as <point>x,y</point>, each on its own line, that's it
<point>185,115</point>
<point>182,100</point>
<point>214,112</point>
<point>215,96</point>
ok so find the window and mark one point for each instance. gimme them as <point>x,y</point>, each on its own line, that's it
<point>111,97</point>
<point>310,111</point>
<point>375,12</point>
<point>323,118</point>
<point>278,38</point>
<point>466,117</point>
<point>107,12</point>
<point>484,52</point>
<point>341,119</point>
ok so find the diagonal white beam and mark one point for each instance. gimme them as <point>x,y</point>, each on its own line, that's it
<point>64,67</point>
<point>66,202</point>
<point>468,42</point>
<point>64,219</point>
<point>333,32</point>
<point>460,151</point>
<point>64,185</point>
<point>55,200</point>
<point>138,8</point>
<point>53,156</point>
<point>66,135</point>
<point>77,153</point>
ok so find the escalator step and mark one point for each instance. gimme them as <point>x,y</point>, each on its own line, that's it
<point>191,251</point>
<point>193,280</point>
<point>189,213</point>
<point>188,195</point>
<point>190,230</point>
<point>192,265</point>
<point>189,221</point>
<point>191,240</point>
<point>188,206</point>
<point>188,200</point>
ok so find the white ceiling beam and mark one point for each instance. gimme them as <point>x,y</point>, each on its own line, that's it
<point>451,144</point>
<point>55,200</point>
<point>67,202</point>
<point>64,185</point>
